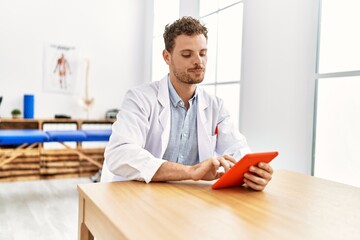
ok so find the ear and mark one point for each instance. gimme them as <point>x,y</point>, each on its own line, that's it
<point>166,56</point>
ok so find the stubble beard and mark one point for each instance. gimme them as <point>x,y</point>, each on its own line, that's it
<point>184,77</point>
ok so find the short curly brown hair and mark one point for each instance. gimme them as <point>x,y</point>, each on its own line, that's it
<point>185,25</point>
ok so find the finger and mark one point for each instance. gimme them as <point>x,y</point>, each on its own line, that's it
<point>253,185</point>
<point>215,163</point>
<point>261,173</point>
<point>256,179</point>
<point>224,163</point>
<point>229,158</point>
<point>231,164</point>
<point>219,175</point>
<point>266,167</point>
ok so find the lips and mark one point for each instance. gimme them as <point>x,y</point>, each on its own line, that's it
<point>196,70</point>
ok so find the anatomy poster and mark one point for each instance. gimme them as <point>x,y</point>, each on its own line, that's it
<point>60,65</point>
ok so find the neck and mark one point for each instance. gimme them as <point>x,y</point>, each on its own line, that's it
<point>184,90</point>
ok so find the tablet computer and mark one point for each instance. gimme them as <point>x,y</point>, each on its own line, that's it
<point>235,176</point>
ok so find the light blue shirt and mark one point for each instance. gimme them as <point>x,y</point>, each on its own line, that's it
<point>183,143</point>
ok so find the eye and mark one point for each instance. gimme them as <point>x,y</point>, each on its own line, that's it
<point>203,54</point>
<point>186,55</point>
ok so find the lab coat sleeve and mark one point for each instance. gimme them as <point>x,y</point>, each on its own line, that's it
<point>125,155</point>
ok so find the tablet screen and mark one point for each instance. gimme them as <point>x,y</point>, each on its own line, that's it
<point>235,176</point>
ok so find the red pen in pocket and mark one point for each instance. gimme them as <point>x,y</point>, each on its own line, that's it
<point>216,130</point>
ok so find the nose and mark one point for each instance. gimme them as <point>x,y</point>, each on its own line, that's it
<point>197,59</point>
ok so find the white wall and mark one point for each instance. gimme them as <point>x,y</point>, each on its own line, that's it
<point>109,33</point>
<point>278,86</point>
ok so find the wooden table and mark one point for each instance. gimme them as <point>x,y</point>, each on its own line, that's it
<point>293,206</point>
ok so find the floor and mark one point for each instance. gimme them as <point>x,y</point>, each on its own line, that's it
<point>45,209</point>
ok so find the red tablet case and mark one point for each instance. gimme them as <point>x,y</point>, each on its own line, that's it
<point>235,176</point>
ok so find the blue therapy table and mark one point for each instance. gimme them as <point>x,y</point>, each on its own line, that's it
<point>26,139</point>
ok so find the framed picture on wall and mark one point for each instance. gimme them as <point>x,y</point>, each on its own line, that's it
<point>60,68</point>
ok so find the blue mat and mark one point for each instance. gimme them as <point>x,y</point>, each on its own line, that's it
<point>66,136</point>
<point>97,135</point>
<point>15,136</point>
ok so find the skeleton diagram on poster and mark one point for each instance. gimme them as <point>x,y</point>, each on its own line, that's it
<point>60,68</point>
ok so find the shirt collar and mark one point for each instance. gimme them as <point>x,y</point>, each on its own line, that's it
<point>174,97</point>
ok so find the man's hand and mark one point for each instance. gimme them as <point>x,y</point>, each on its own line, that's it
<point>208,169</point>
<point>258,176</point>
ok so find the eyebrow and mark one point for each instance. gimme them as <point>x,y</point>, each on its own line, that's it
<point>189,50</point>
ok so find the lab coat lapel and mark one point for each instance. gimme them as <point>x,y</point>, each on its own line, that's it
<point>164,114</point>
<point>204,136</point>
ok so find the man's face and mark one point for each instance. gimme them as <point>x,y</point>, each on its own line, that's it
<point>188,60</point>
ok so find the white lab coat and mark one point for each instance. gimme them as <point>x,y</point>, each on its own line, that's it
<point>141,133</point>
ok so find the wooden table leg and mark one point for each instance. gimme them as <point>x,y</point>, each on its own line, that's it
<point>84,232</point>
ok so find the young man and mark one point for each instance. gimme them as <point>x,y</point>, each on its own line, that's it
<point>172,129</point>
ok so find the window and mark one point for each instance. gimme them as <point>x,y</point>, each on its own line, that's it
<point>224,22</point>
<point>338,100</point>
<point>340,38</point>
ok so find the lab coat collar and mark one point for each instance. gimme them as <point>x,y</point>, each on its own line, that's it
<point>202,106</point>
<point>204,139</point>
<point>163,94</point>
